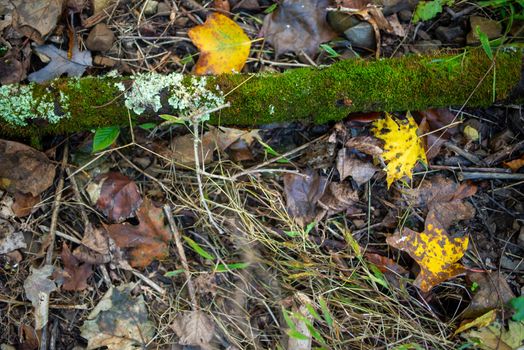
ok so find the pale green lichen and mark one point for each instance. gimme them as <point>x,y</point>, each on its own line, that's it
<point>18,105</point>
<point>185,96</point>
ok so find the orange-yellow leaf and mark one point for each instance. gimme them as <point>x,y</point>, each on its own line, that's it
<point>223,45</point>
<point>435,252</point>
<point>403,147</point>
<point>515,164</point>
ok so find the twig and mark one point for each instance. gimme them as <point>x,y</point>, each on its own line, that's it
<point>52,233</point>
<point>182,255</point>
<point>489,176</point>
<point>470,169</point>
<point>471,157</point>
<point>504,153</point>
<point>149,282</point>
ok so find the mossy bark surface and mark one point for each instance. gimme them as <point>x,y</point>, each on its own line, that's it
<point>309,94</point>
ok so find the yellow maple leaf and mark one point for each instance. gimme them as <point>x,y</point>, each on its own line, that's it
<point>223,45</point>
<point>403,147</point>
<point>435,252</point>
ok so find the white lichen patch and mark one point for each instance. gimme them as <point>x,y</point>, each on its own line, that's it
<point>186,97</point>
<point>17,105</point>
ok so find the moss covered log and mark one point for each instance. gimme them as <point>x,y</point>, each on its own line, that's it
<point>310,94</point>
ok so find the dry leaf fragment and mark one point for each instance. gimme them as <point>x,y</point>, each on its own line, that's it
<point>24,203</point>
<point>433,250</point>
<point>61,63</point>
<point>195,329</point>
<point>496,336</point>
<point>302,194</point>
<point>36,19</point>
<point>366,144</point>
<point>74,274</point>
<point>338,197</point>
<point>119,321</point>
<point>116,195</point>
<point>37,287</point>
<point>9,238</point>
<point>182,149</point>
<point>403,147</point>
<point>95,247</point>
<point>24,169</point>
<point>146,241</point>
<point>298,25</point>
<point>350,165</point>
<point>494,292</point>
<point>223,45</point>
<point>515,164</point>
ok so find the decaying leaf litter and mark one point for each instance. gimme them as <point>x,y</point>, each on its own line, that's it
<point>309,236</point>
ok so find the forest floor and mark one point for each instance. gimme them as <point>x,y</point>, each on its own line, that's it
<point>291,236</point>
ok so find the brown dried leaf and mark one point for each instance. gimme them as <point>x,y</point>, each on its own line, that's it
<point>194,328</point>
<point>95,247</point>
<point>24,203</point>
<point>24,169</point>
<point>145,242</point>
<point>119,321</point>
<point>350,165</point>
<point>36,19</point>
<point>366,144</point>
<point>385,264</point>
<point>433,250</point>
<point>338,197</point>
<point>515,164</point>
<point>75,275</point>
<point>182,149</point>
<point>116,195</point>
<point>298,25</point>
<point>302,194</point>
<point>37,287</point>
<point>494,292</point>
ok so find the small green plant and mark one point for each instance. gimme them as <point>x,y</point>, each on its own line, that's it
<point>105,137</point>
<point>269,150</point>
<point>518,305</point>
<point>271,8</point>
<point>427,10</point>
<point>329,50</point>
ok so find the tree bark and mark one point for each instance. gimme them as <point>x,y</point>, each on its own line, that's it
<point>310,94</point>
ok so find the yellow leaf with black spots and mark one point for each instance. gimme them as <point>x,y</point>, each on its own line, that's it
<point>434,250</point>
<point>403,147</point>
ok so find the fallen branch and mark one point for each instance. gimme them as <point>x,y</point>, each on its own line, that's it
<point>310,94</point>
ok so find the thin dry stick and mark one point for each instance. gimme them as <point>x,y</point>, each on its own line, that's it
<point>182,255</point>
<point>52,234</point>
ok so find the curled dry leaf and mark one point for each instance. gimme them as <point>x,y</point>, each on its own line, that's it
<point>223,45</point>
<point>115,195</point>
<point>515,164</point>
<point>36,19</point>
<point>433,250</point>
<point>146,241</point>
<point>24,169</point>
<point>298,25</point>
<point>302,194</point>
<point>349,165</point>
<point>61,63</point>
<point>37,287</point>
<point>493,293</point>
<point>195,329</point>
<point>403,147</point>
<point>95,247</point>
<point>24,203</point>
<point>120,321</point>
<point>366,144</point>
<point>74,274</point>
<point>338,197</point>
<point>182,149</point>
<point>10,239</point>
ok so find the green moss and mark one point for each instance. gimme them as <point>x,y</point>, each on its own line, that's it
<point>319,95</point>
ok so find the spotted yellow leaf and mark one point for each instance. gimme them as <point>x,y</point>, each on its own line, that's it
<point>403,147</point>
<point>223,45</point>
<point>436,253</point>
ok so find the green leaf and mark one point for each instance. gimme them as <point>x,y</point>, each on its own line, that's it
<point>313,312</point>
<point>325,312</point>
<point>426,10</point>
<point>104,137</point>
<point>330,51</point>
<point>172,119</point>
<point>518,305</point>
<point>234,266</point>
<point>198,249</point>
<point>147,126</point>
<point>484,41</point>
<point>271,8</point>
<point>173,273</point>
<point>293,333</point>
<point>288,319</point>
